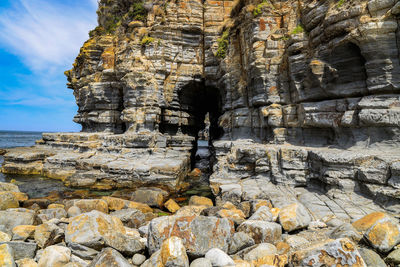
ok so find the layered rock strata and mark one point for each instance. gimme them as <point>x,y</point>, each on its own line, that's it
<point>300,94</point>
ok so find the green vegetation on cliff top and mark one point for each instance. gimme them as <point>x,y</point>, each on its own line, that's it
<point>114,16</point>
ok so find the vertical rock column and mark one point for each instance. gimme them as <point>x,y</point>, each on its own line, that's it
<point>97,91</point>
<point>155,72</point>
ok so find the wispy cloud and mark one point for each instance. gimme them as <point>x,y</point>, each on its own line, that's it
<point>46,34</point>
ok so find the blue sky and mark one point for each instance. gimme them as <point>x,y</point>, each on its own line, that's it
<point>39,40</point>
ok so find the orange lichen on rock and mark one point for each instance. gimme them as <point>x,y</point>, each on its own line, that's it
<point>368,221</point>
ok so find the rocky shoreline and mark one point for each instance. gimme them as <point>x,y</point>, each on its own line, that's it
<point>112,231</point>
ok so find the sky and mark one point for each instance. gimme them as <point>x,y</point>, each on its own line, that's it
<point>39,40</point>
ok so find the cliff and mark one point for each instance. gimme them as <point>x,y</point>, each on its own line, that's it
<point>288,111</point>
<point>302,97</point>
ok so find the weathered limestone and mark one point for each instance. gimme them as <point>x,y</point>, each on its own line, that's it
<point>109,257</point>
<point>8,201</point>
<point>93,229</point>
<point>260,231</point>
<point>13,217</point>
<point>21,249</point>
<point>198,233</point>
<point>55,256</point>
<point>381,231</point>
<point>171,253</point>
<point>6,256</point>
<point>340,251</point>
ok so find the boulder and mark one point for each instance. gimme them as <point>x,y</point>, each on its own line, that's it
<point>171,206</point>
<point>132,232</point>
<point>261,232</point>
<point>218,258</point>
<point>152,196</point>
<point>154,260</point>
<point>245,206</point>
<point>384,234</point>
<point>96,230</point>
<point>56,206</point>
<point>282,247</point>
<point>26,263</point>
<point>115,203</point>
<point>294,216</point>
<point>393,258</point>
<point>130,217</point>
<point>21,197</point>
<point>381,230</point>
<point>173,253</point>
<point>109,257</point>
<point>190,210</point>
<point>235,215</point>
<point>201,262</point>
<point>210,211</point>
<point>48,214</point>
<point>339,252</point>
<point>48,234</point>
<point>315,225</point>
<point>8,200</point>
<point>22,249</point>
<point>73,211</point>
<point>23,232</point>
<point>6,256</point>
<point>240,240</point>
<point>82,252</point>
<point>93,229</point>
<point>14,217</point>
<point>264,254</point>
<point>138,259</point>
<point>295,241</point>
<point>371,258</point>
<point>86,205</point>
<point>263,213</point>
<point>77,262</point>
<point>258,251</point>
<point>257,203</point>
<point>4,237</point>
<point>243,263</point>
<point>144,230</point>
<point>366,222</point>
<point>55,256</point>
<point>199,233</point>
<point>200,201</point>
<point>8,187</point>
<point>346,230</point>
<point>125,244</point>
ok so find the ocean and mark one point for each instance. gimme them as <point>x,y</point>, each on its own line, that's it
<point>10,139</point>
<point>34,186</point>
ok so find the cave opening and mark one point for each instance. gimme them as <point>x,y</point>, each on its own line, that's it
<point>203,104</point>
<point>198,100</point>
<point>351,76</point>
<point>199,108</point>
